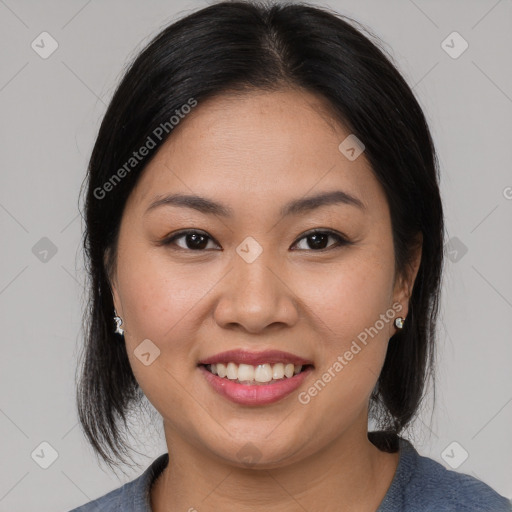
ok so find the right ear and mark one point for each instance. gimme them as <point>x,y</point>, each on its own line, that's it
<point>111,277</point>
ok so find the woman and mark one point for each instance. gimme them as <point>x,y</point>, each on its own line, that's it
<point>264,226</point>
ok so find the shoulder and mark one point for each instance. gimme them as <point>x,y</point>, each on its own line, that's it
<point>133,496</point>
<point>429,486</point>
<point>110,502</point>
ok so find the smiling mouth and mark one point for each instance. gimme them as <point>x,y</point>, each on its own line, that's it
<point>254,375</point>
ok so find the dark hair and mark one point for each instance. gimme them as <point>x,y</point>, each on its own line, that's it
<point>232,48</point>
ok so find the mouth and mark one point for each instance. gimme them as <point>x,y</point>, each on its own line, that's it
<point>255,375</point>
<point>250,378</point>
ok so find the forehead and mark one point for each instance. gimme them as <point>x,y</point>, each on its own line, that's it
<point>268,146</point>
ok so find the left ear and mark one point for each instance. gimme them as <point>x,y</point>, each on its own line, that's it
<point>405,281</point>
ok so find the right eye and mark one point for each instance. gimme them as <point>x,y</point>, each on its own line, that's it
<point>194,240</point>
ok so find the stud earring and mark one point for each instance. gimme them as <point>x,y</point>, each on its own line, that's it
<point>399,322</point>
<point>118,321</point>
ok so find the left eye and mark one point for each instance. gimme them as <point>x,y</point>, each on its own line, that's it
<point>198,240</point>
<point>318,239</point>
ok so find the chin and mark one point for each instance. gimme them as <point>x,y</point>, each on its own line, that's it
<point>259,453</point>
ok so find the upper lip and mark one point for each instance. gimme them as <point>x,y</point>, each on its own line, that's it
<point>239,356</point>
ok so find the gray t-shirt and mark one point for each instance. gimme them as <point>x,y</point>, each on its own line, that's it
<point>420,484</point>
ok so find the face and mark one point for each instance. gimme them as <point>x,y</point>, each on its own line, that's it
<point>256,278</point>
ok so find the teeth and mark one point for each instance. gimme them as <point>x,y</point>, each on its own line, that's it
<point>261,373</point>
<point>278,371</point>
<point>232,371</point>
<point>221,370</point>
<point>245,372</point>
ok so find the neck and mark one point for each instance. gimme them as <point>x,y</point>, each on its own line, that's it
<point>350,474</point>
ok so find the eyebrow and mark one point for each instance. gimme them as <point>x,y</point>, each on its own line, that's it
<point>294,207</point>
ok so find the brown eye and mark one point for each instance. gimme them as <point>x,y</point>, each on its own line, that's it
<point>193,240</point>
<point>318,240</point>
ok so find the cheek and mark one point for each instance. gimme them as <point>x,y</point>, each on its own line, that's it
<point>349,297</point>
<point>349,304</point>
<point>158,297</point>
<point>348,308</point>
<point>162,303</point>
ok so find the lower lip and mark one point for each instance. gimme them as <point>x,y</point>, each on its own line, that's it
<point>257,394</point>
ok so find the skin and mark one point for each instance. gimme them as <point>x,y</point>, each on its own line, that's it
<point>253,153</point>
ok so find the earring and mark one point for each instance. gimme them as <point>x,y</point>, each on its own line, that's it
<point>399,322</point>
<point>118,321</point>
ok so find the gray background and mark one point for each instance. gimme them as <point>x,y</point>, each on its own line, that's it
<point>51,109</point>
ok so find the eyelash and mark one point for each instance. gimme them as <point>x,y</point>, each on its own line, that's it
<point>340,239</point>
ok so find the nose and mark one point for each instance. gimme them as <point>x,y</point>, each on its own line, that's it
<point>256,295</point>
